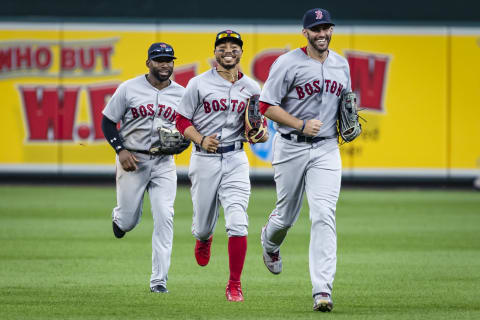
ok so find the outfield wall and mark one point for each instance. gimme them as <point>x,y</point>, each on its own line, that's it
<point>419,87</point>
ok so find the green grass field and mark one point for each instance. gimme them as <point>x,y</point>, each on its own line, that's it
<point>403,254</point>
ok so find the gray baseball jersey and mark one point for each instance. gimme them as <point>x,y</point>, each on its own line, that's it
<point>307,88</point>
<point>136,103</point>
<point>141,108</point>
<point>214,105</point>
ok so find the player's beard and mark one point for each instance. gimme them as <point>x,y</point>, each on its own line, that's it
<point>162,77</point>
<point>315,46</point>
<point>227,66</point>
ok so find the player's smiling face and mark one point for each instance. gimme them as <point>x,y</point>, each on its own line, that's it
<point>228,54</point>
<point>319,36</point>
<point>161,68</point>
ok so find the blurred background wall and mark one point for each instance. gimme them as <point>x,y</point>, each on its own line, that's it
<point>426,11</point>
<point>415,66</point>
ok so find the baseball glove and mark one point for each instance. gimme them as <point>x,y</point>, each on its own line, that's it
<point>255,122</point>
<point>171,142</point>
<point>348,125</point>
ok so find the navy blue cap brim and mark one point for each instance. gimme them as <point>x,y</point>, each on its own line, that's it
<point>162,55</point>
<point>319,23</point>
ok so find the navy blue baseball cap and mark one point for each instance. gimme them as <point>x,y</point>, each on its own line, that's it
<point>228,35</point>
<point>314,17</point>
<point>160,49</point>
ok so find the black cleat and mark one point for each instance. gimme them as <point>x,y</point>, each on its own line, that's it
<point>119,233</point>
<point>158,289</point>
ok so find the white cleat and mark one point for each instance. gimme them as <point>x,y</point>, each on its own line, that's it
<point>272,260</point>
<point>322,302</point>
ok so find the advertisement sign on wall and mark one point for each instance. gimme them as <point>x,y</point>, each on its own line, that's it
<point>415,88</point>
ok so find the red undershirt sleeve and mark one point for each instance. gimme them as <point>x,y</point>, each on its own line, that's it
<point>182,123</point>
<point>263,107</point>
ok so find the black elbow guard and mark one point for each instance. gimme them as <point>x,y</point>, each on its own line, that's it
<point>110,132</point>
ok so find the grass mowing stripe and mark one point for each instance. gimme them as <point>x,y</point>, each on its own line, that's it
<point>403,254</point>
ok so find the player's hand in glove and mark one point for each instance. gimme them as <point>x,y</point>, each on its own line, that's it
<point>312,127</point>
<point>255,123</point>
<point>349,126</point>
<point>210,143</point>
<point>170,141</point>
<point>264,136</point>
<point>127,160</point>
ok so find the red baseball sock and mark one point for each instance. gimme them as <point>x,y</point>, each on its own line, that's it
<point>237,249</point>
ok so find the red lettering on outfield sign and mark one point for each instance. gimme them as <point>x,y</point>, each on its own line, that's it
<point>50,112</point>
<point>99,96</point>
<point>263,61</point>
<point>35,58</point>
<point>24,57</point>
<point>369,74</point>
<point>183,74</point>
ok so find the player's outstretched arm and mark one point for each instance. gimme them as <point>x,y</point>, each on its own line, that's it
<point>279,115</point>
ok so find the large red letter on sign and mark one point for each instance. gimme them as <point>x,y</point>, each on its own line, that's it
<point>263,61</point>
<point>183,74</point>
<point>368,73</point>
<point>99,97</point>
<point>50,109</point>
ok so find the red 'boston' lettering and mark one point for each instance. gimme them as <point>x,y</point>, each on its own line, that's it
<point>316,84</point>
<point>333,87</point>
<point>143,111</point>
<point>135,114</point>
<point>215,105</point>
<point>151,112</point>
<point>224,104</point>
<point>206,107</point>
<point>327,84</point>
<point>339,90</point>
<point>50,109</point>
<point>368,73</point>
<point>300,92</point>
<point>160,109</point>
<point>309,89</point>
<point>234,104</point>
<point>174,115</point>
<point>241,107</point>
<point>167,112</point>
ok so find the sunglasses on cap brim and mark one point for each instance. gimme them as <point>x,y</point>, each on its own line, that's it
<point>226,35</point>
<point>161,50</point>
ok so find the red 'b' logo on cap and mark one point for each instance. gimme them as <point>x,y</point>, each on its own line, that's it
<point>319,15</point>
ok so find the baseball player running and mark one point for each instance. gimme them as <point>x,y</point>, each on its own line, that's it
<point>211,114</point>
<point>301,95</point>
<point>141,105</point>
